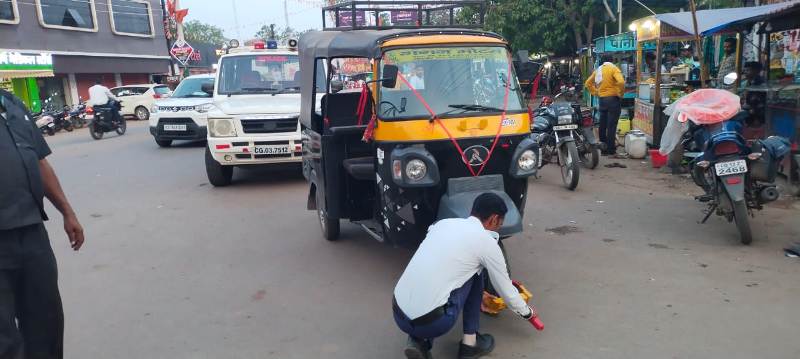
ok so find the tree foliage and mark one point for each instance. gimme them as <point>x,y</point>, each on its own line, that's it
<point>196,31</point>
<point>274,32</point>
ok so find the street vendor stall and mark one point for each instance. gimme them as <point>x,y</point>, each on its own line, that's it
<point>664,86</point>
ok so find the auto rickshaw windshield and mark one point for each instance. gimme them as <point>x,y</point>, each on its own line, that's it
<point>454,80</point>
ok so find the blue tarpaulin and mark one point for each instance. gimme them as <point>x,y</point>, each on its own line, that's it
<point>710,22</point>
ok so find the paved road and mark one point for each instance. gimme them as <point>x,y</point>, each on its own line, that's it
<point>174,268</point>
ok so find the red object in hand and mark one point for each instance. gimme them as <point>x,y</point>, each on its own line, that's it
<point>536,322</point>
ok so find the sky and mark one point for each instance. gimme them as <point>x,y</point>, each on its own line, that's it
<point>252,14</point>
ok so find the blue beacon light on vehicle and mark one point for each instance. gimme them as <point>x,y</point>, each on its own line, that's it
<point>272,44</point>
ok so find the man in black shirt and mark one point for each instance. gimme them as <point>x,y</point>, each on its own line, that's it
<point>31,317</point>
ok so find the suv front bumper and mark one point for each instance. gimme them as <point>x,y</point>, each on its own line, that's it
<point>237,151</point>
<point>193,131</point>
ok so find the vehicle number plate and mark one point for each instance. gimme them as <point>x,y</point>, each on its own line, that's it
<point>565,127</point>
<point>271,150</point>
<point>174,127</point>
<point>731,168</point>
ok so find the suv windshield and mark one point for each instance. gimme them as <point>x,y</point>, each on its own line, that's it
<point>192,88</point>
<point>452,80</point>
<point>259,74</point>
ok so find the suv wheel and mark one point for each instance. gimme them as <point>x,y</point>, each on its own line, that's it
<point>218,175</point>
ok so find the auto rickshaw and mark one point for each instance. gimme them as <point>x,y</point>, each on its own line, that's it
<point>440,121</point>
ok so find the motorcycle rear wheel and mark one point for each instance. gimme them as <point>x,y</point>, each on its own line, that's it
<point>123,126</point>
<point>95,131</point>
<point>570,168</point>
<point>742,222</point>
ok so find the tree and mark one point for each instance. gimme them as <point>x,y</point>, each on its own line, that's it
<point>274,32</point>
<point>267,32</point>
<point>529,24</point>
<point>196,31</point>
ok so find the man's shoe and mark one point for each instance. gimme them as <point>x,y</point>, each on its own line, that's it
<point>484,345</point>
<point>416,349</point>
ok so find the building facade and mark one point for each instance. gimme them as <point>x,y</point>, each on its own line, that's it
<point>57,49</point>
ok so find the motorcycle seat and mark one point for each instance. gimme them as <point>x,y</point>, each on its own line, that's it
<point>360,168</point>
<point>540,124</point>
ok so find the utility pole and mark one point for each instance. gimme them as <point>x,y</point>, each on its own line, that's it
<point>698,43</point>
<point>285,14</point>
<point>236,21</point>
<point>619,16</point>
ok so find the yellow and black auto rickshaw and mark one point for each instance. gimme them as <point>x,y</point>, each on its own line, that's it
<point>440,120</point>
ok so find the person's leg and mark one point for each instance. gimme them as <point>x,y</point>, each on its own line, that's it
<point>603,109</point>
<point>614,110</point>
<point>472,306</point>
<point>10,337</point>
<point>41,317</point>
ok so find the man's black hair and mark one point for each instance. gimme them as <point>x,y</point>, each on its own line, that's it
<point>650,56</point>
<point>606,58</point>
<point>731,40</point>
<point>753,65</point>
<point>98,81</point>
<point>672,53</point>
<point>487,204</point>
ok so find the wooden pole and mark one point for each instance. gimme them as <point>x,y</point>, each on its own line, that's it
<point>703,73</point>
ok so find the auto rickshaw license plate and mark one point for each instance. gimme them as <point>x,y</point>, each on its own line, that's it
<point>731,168</point>
<point>271,150</point>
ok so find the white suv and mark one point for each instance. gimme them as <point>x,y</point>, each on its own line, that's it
<point>253,119</point>
<point>138,99</point>
<point>183,116</point>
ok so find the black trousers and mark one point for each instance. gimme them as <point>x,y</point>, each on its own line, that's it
<point>610,108</point>
<point>31,317</point>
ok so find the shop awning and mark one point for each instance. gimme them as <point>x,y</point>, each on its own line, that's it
<point>710,22</point>
<point>16,74</point>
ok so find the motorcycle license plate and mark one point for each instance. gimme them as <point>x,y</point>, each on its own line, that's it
<point>271,150</point>
<point>731,168</point>
<point>565,127</point>
<point>174,127</point>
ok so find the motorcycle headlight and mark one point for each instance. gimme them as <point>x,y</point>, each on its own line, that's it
<point>527,161</point>
<point>221,127</point>
<point>564,119</point>
<point>204,107</point>
<point>416,170</point>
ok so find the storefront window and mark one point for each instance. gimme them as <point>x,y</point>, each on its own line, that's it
<point>67,14</point>
<point>131,17</point>
<point>8,12</point>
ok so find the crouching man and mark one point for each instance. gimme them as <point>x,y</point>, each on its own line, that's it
<point>445,278</point>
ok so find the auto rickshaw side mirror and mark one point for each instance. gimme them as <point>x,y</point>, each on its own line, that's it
<point>336,86</point>
<point>208,88</point>
<point>389,79</point>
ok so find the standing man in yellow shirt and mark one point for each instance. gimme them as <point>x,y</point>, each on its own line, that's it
<point>607,83</point>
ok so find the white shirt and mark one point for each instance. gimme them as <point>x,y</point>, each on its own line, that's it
<point>99,95</point>
<point>454,250</point>
<point>418,83</point>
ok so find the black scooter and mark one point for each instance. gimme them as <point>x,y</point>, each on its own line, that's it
<point>107,119</point>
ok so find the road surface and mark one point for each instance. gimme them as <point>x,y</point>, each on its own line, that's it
<point>175,268</point>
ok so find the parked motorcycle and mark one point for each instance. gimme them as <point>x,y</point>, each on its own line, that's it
<point>554,125</point>
<point>737,178</point>
<point>45,124</point>
<point>62,121</point>
<point>77,115</point>
<point>553,128</point>
<point>107,119</point>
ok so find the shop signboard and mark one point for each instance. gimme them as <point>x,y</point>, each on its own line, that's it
<point>643,117</point>
<point>620,43</point>
<point>346,18</point>
<point>17,61</point>
<point>181,51</point>
<point>404,17</point>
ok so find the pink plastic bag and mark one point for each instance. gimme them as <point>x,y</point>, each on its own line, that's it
<point>707,106</point>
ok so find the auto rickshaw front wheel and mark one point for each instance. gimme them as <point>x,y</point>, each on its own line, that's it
<point>329,226</point>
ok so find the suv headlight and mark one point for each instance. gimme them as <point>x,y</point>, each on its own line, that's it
<point>204,107</point>
<point>221,127</point>
<point>527,161</point>
<point>416,170</point>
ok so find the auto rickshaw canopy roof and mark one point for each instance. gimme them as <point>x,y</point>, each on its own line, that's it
<point>368,43</point>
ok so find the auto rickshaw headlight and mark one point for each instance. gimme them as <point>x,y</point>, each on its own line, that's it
<point>527,161</point>
<point>416,170</point>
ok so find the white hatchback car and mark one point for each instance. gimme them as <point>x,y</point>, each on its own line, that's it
<point>137,100</point>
